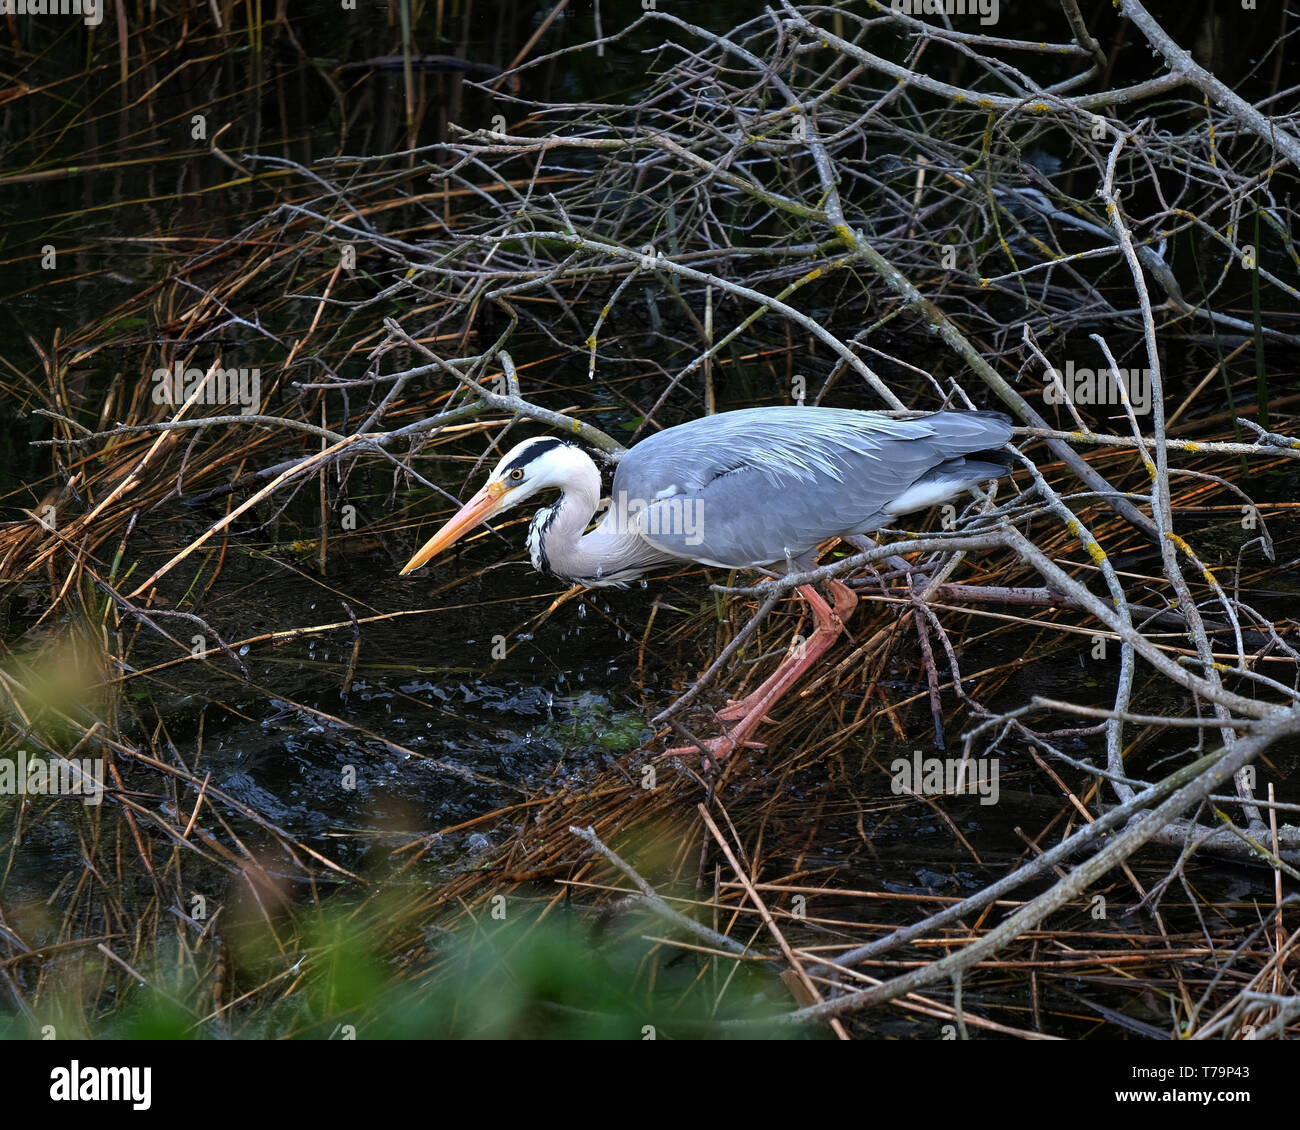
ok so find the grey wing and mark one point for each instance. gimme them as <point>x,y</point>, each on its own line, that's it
<point>766,485</point>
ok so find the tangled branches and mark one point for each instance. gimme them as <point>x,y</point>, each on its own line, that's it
<point>866,209</point>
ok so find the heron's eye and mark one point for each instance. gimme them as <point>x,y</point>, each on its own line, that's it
<point>516,474</point>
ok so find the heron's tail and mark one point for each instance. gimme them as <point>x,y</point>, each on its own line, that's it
<point>971,441</point>
<point>979,466</point>
<point>967,433</point>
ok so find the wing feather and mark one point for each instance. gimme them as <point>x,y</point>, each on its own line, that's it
<point>765,485</point>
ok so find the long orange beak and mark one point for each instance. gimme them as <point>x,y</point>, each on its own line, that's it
<point>474,513</point>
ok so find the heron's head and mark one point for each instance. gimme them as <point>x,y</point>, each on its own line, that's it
<point>526,469</point>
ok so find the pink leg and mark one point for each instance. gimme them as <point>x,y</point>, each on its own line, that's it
<point>845,601</point>
<point>752,710</point>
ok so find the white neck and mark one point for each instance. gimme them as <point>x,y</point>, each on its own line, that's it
<point>558,545</point>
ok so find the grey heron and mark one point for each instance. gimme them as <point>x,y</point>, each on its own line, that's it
<point>758,488</point>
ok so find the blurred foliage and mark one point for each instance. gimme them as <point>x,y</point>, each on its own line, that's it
<point>559,976</point>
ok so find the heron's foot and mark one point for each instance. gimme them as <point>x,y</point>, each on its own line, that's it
<point>717,749</point>
<point>751,711</point>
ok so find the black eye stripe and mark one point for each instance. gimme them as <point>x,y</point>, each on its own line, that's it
<point>533,451</point>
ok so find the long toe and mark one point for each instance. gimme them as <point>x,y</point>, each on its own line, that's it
<point>738,708</point>
<point>716,749</point>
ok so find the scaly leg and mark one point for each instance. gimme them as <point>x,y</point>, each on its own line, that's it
<point>752,710</point>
